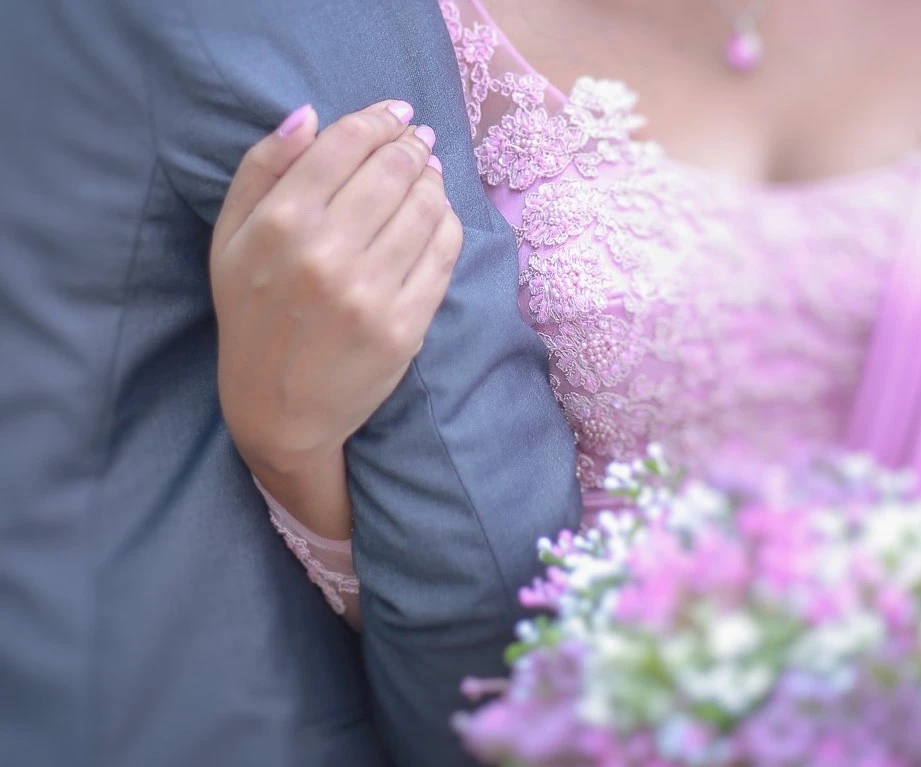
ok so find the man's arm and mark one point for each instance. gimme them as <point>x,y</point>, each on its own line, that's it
<point>469,462</point>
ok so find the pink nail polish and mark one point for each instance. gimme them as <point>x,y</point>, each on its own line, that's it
<point>402,110</point>
<point>294,121</point>
<point>434,162</point>
<point>426,134</point>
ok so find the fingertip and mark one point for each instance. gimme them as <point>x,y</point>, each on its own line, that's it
<point>402,110</point>
<point>434,163</point>
<point>426,135</point>
<point>299,120</point>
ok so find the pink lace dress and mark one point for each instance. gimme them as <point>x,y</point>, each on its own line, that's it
<point>727,320</point>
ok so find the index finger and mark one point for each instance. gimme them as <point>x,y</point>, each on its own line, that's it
<point>260,169</point>
<point>341,149</point>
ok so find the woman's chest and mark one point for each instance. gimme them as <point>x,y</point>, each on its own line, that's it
<point>689,309</point>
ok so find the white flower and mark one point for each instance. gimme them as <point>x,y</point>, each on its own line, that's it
<point>589,571</point>
<point>755,681</point>
<point>830,523</point>
<point>857,466</point>
<point>834,562</point>
<point>892,532</point>
<point>620,471</point>
<point>678,651</point>
<point>656,452</point>
<point>618,527</point>
<point>697,507</point>
<point>826,648</point>
<point>899,483</point>
<point>594,708</point>
<point>733,688</point>
<point>733,636</point>
<point>616,648</point>
<point>526,632</point>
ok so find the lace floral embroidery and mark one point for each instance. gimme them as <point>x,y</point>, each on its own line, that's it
<point>474,47</point>
<point>529,143</point>
<point>332,584</point>
<point>597,354</point>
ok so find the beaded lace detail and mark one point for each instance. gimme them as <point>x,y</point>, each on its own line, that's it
<point>677,306</point>
<point>333,584</point>
<point>328,563</point>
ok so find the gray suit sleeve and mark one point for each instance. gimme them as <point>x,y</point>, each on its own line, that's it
<point>470,461</point>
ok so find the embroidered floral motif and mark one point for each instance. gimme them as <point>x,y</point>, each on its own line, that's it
<point>450,12</point>
<point>554,213</point>
<point>597,353</point>
<point>603,109</point>
<point>605,424</point>
<point>527,91</point>
<point>332,584</point>
<point>530,144</point>
<point>676,306</point>
<point>567,283</point>
<point>633,214</point>
<point>474,47</point>
<point>527,145</point>
<point>477,45</point>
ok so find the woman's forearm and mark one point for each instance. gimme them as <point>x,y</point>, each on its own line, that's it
<point>311,510</point>
<point>315,493</point>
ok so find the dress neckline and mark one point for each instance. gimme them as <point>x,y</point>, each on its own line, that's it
<point>828,183</point>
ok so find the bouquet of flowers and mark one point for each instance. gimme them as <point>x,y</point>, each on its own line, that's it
<point>712,626</point>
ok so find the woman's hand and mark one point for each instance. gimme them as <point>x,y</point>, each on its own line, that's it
<point>330,257</point>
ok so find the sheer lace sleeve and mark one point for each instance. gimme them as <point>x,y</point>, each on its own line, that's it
<point>328,562</point>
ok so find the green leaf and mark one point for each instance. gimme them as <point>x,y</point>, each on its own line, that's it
<point>515,651</point>
<point>712,714</point>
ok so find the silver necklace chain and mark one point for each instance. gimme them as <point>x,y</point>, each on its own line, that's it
<point>746,18</point>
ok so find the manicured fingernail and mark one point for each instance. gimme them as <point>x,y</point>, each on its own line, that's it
<point>294,121</point>
<point>426,134</point>
<point>434,162</point>
<point>402,110</point>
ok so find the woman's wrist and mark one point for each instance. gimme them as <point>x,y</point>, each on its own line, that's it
<point>315,491</point>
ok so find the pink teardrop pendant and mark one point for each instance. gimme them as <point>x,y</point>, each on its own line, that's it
<point>744,50</point>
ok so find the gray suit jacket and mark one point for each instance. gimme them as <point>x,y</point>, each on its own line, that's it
<point>148,614</point>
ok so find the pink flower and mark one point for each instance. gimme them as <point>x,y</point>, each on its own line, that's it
<point>720,565</point>
<point>540,595</point>
<point>830,751</point>
<point>660,574</point>
<point>896,607</point>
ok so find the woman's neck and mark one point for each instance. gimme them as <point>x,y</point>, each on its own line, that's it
<point>837,91</point>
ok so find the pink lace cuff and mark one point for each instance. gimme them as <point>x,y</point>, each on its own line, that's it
<point>328,562</point>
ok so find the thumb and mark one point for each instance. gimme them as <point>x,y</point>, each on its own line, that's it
<point>261,168</point>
